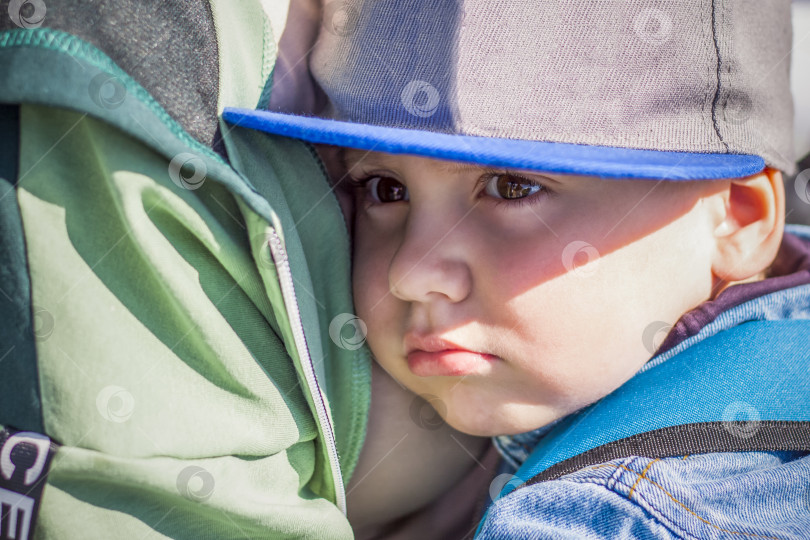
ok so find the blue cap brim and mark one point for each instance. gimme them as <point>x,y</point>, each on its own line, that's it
<point>554,157</point>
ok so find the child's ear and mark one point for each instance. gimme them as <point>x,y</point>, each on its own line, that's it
<point>749,228</point>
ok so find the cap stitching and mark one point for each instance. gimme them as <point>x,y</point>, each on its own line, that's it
<point>708,90</point>
<point>717,90</point>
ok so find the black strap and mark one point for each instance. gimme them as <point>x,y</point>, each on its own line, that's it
<point>19,381</point>
<point>699,438</point>
<point>25,458</point>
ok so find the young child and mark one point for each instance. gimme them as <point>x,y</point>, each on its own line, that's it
<point>567,215</point>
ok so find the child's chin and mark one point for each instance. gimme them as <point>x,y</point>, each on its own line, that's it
<point>481,427</point>
<point>476,430</point>
<point>498,424</point>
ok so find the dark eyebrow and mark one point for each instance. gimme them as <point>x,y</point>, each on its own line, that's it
<point>458,167</point>
<point>351,157</point>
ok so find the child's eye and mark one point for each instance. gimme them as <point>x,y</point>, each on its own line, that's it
<point>509,186</point>
<point>383,189</point>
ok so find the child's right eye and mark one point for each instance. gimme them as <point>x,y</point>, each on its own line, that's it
<point>383,189</point>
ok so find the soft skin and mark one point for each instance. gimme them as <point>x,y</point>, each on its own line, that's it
<point>395,491</point>
<point>550,289</point>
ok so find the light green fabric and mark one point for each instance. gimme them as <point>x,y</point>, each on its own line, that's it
<point>241,26</point>
<point>317,244</point>
<point>169,374</point>
<point>163,353</point>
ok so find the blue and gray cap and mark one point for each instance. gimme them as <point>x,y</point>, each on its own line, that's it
<point>693,89</point>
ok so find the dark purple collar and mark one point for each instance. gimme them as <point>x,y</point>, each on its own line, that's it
<point>790,268</point>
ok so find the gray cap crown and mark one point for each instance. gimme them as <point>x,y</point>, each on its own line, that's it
<point>678,75</point>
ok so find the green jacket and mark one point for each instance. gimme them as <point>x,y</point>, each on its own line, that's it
<point>168,281</point>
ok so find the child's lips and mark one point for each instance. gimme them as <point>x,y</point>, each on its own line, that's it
<point>432,356</point>
<point>449,363</point>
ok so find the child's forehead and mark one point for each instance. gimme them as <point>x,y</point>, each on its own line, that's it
<point>352,157</point>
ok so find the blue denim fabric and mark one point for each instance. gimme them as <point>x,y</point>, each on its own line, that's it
<point>721,495</point>
<point>514,449</point>
<point>716,495</point>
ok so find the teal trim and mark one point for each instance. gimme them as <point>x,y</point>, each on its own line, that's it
<point>62,42</point>
<point>268,65</point>
<point>264,98</point>
<point>20,406</point>
<point>54,68</point>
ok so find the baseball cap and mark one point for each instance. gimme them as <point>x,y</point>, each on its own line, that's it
<point>693,89</point>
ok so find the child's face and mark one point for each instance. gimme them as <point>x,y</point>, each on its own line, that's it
<point>517,298</point>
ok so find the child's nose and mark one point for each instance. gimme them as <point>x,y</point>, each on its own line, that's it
<point>430,265</point>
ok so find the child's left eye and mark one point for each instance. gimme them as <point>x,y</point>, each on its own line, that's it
<point>386,190</point>
<point>382,189</point>
<point>509,186</point>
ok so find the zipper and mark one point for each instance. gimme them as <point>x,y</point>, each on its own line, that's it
<point>291,304</point>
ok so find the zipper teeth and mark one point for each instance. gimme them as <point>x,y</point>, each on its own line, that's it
<point>291,303</point>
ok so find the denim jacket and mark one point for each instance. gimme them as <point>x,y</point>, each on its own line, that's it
<point>714,495</point>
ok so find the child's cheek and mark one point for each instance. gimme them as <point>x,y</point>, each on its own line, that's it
<point>372,254</point>
<point>512,262</point>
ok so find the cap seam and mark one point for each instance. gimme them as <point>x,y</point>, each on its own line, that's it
<point>708,96</point>
<point>718,88</point>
